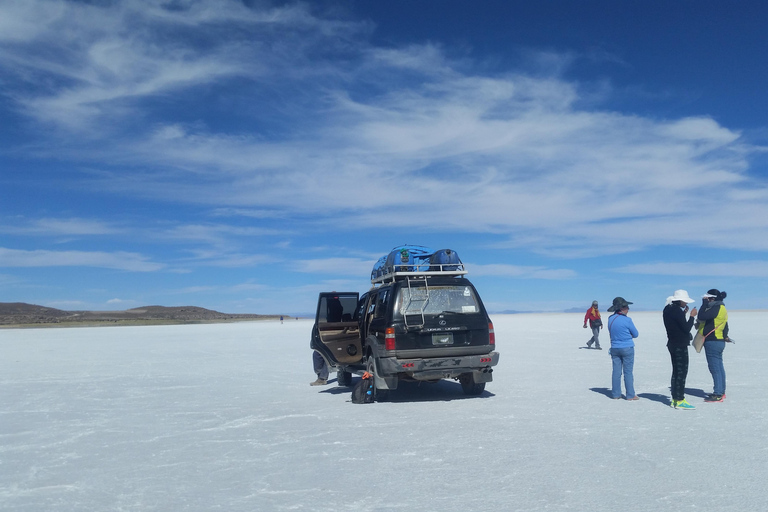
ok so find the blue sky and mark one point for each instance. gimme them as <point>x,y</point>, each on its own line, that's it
<point>245,155</point>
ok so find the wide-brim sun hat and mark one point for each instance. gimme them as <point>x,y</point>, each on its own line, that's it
<point>680,295</point>
<point>618,304</point>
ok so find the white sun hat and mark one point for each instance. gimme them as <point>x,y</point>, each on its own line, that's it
<point>680,295</point>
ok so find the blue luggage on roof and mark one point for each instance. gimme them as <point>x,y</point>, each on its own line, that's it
<point>416,258</point>
<point>400,259</point>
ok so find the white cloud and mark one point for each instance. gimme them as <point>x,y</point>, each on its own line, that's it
<point>700,130</point>
<point>121,302</point>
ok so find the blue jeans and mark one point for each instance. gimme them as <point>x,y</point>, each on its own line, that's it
<point>623,361</point>
<point>714,352</point>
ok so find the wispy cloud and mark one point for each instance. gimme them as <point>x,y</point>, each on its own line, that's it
<point>123,303</point>
<point>521,271</point>
<point>114,260</point>
<point>58,227</point>
<point>7,279</point>
<point>744,268</point>
<point>344,128</point>
<point>213,233</point>
<point>107,56</point>
<point>230,289</point>
<point>335,266</point>
<point>229,259</point>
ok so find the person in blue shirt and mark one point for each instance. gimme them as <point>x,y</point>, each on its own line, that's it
<point>622,331</point>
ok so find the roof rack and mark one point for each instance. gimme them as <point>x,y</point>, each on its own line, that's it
<point>394,276</point>
<point>413,261</point>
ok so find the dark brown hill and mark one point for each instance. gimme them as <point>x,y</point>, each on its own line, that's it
<point>19,313</point>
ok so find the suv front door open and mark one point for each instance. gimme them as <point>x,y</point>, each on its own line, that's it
<point>337,327</point>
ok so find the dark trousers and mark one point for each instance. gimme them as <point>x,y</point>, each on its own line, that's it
<point>321,369</point>
<point>679,357</point>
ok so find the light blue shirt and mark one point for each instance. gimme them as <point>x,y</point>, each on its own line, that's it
<point>622,330</point>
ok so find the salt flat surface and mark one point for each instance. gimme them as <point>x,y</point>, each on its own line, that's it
<point>221,417</point>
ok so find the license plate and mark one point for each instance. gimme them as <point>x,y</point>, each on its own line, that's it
<point>445,338</point>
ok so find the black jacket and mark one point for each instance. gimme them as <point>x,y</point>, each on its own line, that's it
<point>678,328</point>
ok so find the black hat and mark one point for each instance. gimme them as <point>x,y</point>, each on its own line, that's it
<point>618,304</point>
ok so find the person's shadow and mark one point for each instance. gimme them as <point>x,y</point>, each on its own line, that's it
<point>700,393</point>
<point>654,397</point>
<point>602,391</point>
<point>667,400</point>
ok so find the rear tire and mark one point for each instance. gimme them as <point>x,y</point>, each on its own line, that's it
<point>344,379</point>
<point>469,386</point>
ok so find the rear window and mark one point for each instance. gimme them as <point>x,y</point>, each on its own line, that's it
<point>437,299</point>
<point>339,308</point>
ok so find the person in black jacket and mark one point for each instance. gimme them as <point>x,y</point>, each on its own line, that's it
<point>712,323</point>
<point>678,339</point>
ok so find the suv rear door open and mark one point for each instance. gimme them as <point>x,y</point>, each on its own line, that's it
<point>337,335</point>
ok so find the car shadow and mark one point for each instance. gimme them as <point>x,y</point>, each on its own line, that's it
<point>441,391</point>
<point>337,390</point>
<point>332,388</point>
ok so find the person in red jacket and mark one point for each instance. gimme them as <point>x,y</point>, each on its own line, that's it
<point>593,316</point>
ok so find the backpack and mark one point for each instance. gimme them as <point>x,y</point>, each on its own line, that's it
<point>362,393</point>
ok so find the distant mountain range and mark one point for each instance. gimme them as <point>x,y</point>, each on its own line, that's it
<point>19,313</point>
<point>515,312</point>
<point>571,310</point>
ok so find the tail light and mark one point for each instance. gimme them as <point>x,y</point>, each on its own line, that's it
<point>491,334</point>
<point>389,338</point>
